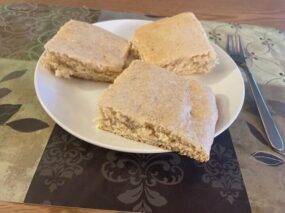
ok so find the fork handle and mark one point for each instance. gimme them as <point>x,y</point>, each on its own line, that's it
<point>271,130</point>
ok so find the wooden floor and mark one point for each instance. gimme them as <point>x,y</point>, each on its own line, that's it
<point>260,12</point>
<point>9,207</point>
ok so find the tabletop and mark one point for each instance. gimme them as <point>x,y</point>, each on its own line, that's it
<point>40,163</point>
<point>261,12</point>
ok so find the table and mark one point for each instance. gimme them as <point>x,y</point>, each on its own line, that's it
<point>41,163</point>
<point>261,12</point>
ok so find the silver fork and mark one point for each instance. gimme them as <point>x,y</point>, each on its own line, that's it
<point>236,51</point>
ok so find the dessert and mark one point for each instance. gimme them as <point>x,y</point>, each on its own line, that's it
<point>178,43</point>
<point>86,51</point>
<point>149,104</point>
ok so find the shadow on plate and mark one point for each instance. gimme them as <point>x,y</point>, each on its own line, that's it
<point>223,110</point>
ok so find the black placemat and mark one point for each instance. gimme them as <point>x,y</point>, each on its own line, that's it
<point>75,173</point>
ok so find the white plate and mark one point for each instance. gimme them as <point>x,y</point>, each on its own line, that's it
<point>72,103</point>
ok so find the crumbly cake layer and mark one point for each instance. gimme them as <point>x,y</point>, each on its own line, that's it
<point>150,104</point>
<point>122,125</point>
<point>185,66</point>
<point>178,43</point>
<point>86,51</point>
<point>66,67</point>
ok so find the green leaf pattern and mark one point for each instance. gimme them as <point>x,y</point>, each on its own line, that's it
<point>8,110</point>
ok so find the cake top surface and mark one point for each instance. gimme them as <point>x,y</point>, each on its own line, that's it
<point>149,94</point>
<point>172,38</point>
<point>89,44</point>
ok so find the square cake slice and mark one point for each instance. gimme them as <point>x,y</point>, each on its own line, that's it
<point>86,51</point>
<point>178,43</point>
<point>149,104</point>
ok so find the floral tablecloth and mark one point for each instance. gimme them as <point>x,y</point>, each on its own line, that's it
<point>42,163</point>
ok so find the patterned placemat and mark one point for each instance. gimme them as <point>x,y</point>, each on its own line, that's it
<point>75,173</point>
<point>24,126</point>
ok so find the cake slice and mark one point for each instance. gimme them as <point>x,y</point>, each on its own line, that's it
<point>86,51</point>
<point>149,104</point>
<point>178,43</point>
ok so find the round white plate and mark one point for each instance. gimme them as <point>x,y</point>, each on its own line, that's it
<point>72,103</point>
